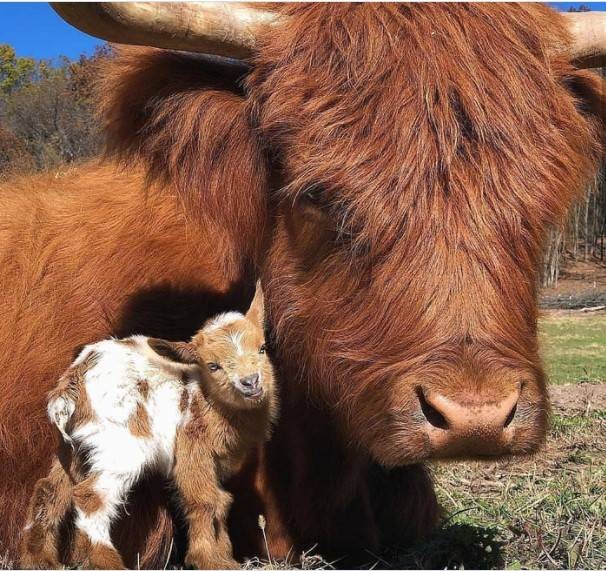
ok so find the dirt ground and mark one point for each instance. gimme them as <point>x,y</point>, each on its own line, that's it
<point>578,397</point>
<point>581,284</point>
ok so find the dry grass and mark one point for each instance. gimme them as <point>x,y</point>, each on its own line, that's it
<point>546,512</point>
<point>5,562</point>
<point>308,560</point>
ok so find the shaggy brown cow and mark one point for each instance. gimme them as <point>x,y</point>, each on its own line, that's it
<point>391,171</point>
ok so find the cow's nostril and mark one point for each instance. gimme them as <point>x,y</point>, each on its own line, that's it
<point>432,415</point>
<point>511,415</point>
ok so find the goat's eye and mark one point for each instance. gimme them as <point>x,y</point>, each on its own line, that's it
<point>262,349</point>
<point>213,367</point>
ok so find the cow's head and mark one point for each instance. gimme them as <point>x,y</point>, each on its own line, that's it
<point>394,171</point>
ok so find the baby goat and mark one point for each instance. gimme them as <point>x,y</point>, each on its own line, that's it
<point>193,411</point>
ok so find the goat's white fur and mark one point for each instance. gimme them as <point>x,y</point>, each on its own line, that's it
<point>114,452</point>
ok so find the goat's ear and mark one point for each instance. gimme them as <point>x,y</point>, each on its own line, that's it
<point>177,351</point>
<point>257,307</point>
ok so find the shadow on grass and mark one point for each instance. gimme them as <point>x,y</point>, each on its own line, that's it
<point>453,546</point>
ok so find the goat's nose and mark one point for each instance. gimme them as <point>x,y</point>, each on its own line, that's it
<point>473,426</point>
<point>250,381</point>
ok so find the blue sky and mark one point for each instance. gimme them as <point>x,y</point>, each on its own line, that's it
<point>34,30</point>
<point>595,6</point>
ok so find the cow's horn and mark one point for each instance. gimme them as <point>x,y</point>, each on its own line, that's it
<point>220,28</point>
<point>588,30</point>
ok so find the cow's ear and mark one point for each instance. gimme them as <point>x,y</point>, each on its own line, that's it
<point>256,310</point>
<point>587,88</point>
<point>177,351</point>
<point>185,119</point>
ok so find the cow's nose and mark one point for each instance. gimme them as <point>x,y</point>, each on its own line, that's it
<point>470,426</point>
<point>250,382</point>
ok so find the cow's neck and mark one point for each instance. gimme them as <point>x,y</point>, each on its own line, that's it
<point>314,474</point>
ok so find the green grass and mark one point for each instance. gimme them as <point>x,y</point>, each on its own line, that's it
<point>574,348</point>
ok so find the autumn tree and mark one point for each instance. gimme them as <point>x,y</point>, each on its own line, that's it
<point>14,71</point>
<point>48,109</point>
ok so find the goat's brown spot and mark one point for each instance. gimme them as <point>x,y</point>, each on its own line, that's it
<point>95,555</point>
<point>71,384</point>
<point>184,401</point>
<point>86,497</point>
<point>139,423</point>
<point>82,548</point>
<point>143,388</point>
<point>196,427</point>
<point>105,557</point>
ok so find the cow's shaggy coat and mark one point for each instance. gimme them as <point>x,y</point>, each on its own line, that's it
<point>127,408</point>
<point>392,171</point>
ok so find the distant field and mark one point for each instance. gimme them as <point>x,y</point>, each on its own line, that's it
<point>574,347</point>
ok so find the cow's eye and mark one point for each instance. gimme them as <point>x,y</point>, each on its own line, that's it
<point>213,367</point>
<point>262,349</point>
<point>314,195</point>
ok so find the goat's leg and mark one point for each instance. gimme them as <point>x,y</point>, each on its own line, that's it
<point>205,504</point>
<point>97,499</point>
<point>50,502</point>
